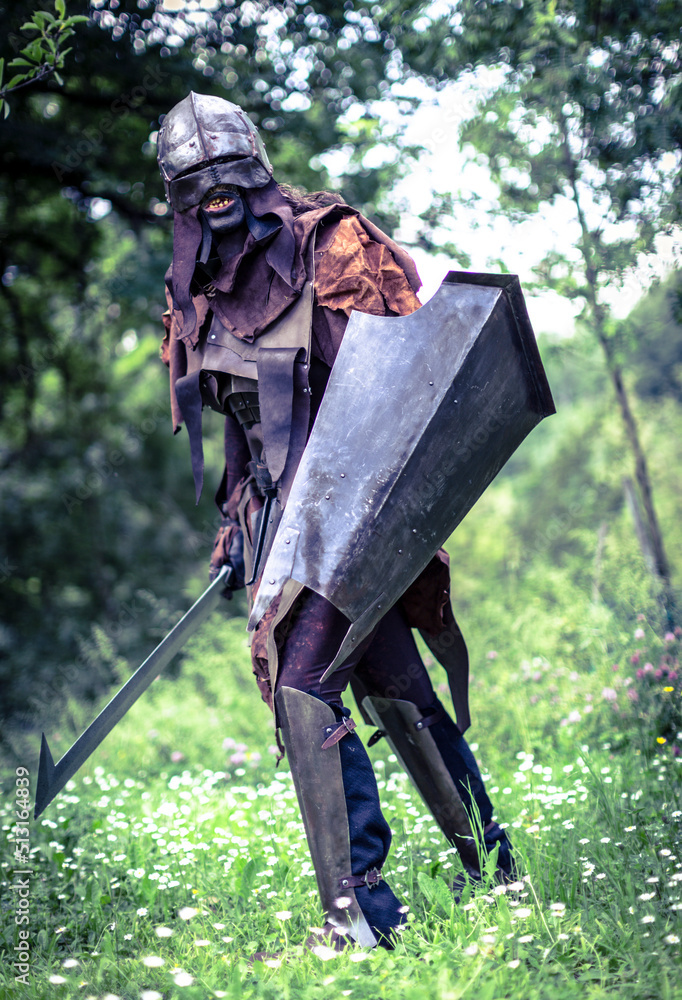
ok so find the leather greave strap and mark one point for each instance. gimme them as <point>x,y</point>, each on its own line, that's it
<point>318,780</point>
<point>276,393</point>
<point>407,732</point>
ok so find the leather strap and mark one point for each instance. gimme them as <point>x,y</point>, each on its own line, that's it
<point>371,879</point>
<point>276,394</point>
<point>376,736</point>
<point>430,720</point>
<point>333,734</point>
<point>300,426</point>
<point>188,394</point>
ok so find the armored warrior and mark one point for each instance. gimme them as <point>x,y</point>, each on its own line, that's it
<point>260,290</point>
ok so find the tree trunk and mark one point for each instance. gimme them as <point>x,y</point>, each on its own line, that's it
<point>661,567</point>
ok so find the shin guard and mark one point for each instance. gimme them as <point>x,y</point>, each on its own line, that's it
<point>348,836</point>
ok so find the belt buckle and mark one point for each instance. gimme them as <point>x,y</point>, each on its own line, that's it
<point>375,883</point>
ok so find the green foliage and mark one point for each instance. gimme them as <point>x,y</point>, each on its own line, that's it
<point>653,334</point>
<point>178,852</point>
<point>44,54</point>
<point>655,692</point>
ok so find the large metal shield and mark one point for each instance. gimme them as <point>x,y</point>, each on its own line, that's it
<point>420,414</point>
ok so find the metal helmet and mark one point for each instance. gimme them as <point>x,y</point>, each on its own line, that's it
<point>205,141</point>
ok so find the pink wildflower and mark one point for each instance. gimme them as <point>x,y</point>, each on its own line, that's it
<point>229,743</point>
<point>237,758</point>
<point>177,755</point>
<point>609,694</point>
<point>632,694</point>
<point>669,637</point>
<point>659,674</point>
<point>639,633</point>
<point>615,667</point>
<point>491,655</point>
<point>636,656</point>
<point>648,667</point>
<point>640,673</point>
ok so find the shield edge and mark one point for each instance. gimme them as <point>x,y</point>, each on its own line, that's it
<point>510,286</point>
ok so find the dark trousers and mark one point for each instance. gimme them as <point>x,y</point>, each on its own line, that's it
<point>387,665</point>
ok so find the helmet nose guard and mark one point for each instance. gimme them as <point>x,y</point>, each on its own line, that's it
<point>209,132</point>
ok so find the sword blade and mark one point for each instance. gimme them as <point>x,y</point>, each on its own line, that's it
<point>52,777</point>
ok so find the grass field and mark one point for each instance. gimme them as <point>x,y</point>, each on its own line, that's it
<point>178,850</point>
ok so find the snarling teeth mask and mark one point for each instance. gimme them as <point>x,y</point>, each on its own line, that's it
<point>223,209</point>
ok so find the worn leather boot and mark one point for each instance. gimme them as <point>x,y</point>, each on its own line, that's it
<point>443,769</point>
<point>348,837</point>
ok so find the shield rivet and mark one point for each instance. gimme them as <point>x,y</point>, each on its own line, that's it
<point>430,383</point>
<point>327,496</point>
<point>287,541</point>
<point>344,882</point>
<point>400,552</point>
<point>343,475</point>
<point>414,531</point>
<point>272,583</point>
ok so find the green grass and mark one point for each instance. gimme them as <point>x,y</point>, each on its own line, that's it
<point>178,850</point>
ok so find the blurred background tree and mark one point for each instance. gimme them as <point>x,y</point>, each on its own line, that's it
<point>587,108</point>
